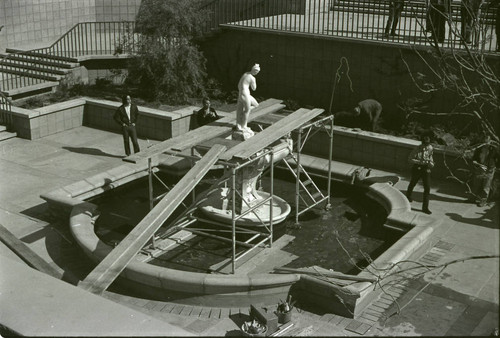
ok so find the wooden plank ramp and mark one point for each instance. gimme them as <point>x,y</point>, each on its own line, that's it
<point>26,254</point>
<point>113,264</point>
<point>204,133</point>
<point>279,129</point>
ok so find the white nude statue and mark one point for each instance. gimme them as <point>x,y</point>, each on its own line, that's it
<point>246,101</point>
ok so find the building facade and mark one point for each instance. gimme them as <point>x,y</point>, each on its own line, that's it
<point>39,23</point>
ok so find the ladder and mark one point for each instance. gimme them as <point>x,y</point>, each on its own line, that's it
<point>313,195</point>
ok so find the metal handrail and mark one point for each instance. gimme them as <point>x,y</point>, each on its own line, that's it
<point>351,19</point>
<point>5,111</point>
<point>359,20</point>
<point>86,38</point>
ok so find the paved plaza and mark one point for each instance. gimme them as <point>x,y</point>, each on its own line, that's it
<point>461,299</point>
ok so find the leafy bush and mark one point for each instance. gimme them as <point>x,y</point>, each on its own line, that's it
<point>167,64</point>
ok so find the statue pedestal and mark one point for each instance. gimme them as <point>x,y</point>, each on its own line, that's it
<point>242,134</point>
<point>219,205</point>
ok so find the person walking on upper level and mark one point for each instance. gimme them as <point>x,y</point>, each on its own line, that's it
<point>422,162</point>
<point>438,16</point>
<point>395,9</point>
<point>126,116</point>
<point>469,13</point>
<point>496,3</point>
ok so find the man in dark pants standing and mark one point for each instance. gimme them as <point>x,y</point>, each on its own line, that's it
<point>126,116</point>
<point>422,162</point>
<point>485,160</point>
<point>469,13</point>
<point>395,9</point>
<point>497,21</point>
<point>439,14</point>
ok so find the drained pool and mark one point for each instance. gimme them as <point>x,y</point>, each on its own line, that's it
<point>344,238</point>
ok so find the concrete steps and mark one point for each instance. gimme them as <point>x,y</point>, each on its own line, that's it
<point>26,73</point>
<point>21,66</point>
<point>40,54</point>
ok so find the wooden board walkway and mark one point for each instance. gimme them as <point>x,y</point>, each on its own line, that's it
<point>114,263</point>
<point>204,133</point>
<point>279,129</point>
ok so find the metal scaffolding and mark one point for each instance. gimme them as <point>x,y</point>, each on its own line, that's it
<point>306,191</point>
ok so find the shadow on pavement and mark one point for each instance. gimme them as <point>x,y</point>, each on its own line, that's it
<point>91,151</point>
<point>488,218</point>
<point>418,196</point>
<point>40,212</point>
<point>238,319</point>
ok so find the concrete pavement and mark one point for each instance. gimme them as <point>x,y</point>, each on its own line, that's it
<point>462,299</point>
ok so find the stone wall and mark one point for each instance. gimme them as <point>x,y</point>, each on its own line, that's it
<point>356,147</point>
<point>379,151</point>
<point>37,123</point>
<point>153,123</point>
<point>38,23</point>
<point>304,67</point>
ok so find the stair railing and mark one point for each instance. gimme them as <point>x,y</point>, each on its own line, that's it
<point>5,111</point>
<point>86,38</point>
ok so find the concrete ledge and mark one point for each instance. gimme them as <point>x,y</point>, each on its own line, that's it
<point>418,227</point>
<point>32,88</point>
<point>146,111</point>
<point>46,306</point>
<point>153,123</point>
<point>65,198</point>
<point>147,275</point>
<point>60,106</point>
<point>102,57</point>
<point>24,113</point>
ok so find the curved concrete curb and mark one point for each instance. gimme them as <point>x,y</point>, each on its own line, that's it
<point>81,226</point>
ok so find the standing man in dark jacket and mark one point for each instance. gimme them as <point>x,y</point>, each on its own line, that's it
<point>422,162</point>
<point>395,9</point>
<point>126,116</point>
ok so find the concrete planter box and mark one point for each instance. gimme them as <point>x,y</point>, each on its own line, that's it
<point>153,123</point>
